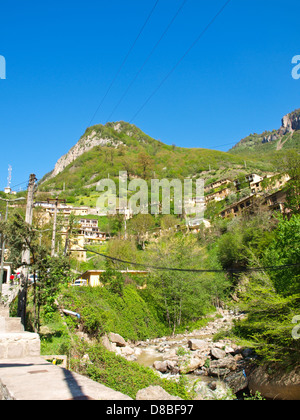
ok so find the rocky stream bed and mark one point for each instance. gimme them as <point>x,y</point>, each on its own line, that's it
<point>214,370</point>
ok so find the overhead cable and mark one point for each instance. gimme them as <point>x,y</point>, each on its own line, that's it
<point>229,270</point>
<point>124,61</point>
<point>180,60</point>
<point>147,59</point>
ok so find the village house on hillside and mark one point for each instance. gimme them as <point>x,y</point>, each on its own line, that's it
<point>89,228</point>
<point>218,195</point>
<point>252,180</point>
<point>217,184</point>
<point>276,201</point>
<point>93,277</point>
<point>237,208</point>
<point>64,209</point>
<point>86,233</point>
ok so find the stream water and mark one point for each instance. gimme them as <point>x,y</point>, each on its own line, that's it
<point>160,349</point>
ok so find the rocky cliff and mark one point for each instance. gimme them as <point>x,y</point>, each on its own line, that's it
<point>255,143</point>
<point>86,143</point>
<point>290,122</point>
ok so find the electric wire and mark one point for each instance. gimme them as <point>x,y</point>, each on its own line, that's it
<point>229,270</point>
<point>147,59</point>
<point>180,60</point>
<point>124,61</point>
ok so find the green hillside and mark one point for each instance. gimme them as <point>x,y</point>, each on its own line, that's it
<point>143,156</point>
<point>269,143</point>
<point>253,147</point>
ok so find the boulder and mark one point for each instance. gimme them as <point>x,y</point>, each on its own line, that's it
<point>191,364</point>
<point>236,381</point>
<point>127,351</point>
<point>222,367</point>
<point>213,391</point>
<point>275,384</point>
<point>195,344</point>
<point>172,366</point>
<point>106,343</point>
<point>153,393</point>
<point>217,353</point>
<point>171,355</point>
<point>117,339</point>
<point>161,366</point>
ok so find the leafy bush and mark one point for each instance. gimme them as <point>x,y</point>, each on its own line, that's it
<point>104,310</point>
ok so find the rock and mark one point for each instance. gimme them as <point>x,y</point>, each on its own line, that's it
<point>218,372</point>
<point>214,391</point>
<point>195,344</point>
<point>171,355</point>
<point>153,393</point>
<point>190,365</point>
<point>161,366</point>
<point>275,384</point>
<point>44,330</point>
<point>172,365</point>
<point>222,367</point>
<point>247,353</point>
<point>86,359</point>
<point>217,353</point>
<point>127,351</point>
<point>118,339</point>
<point>229,350</point>
<point>86,143</point>
<point>106,343</point>
<point>236,381</point>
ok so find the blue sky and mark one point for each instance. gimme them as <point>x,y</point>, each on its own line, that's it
<point>62,56</point>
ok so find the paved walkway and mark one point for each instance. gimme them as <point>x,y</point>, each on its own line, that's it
<point>35,379</point>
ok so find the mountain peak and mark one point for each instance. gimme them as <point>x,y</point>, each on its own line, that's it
<point>112,134</point>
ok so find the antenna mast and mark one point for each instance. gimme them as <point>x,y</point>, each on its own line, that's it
<point>9,176</point>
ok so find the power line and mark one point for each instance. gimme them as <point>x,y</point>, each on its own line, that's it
<point>230,270</point>
<point>180,60</point>
<point>125,59</point>
<point>147,59</point>
<point>22,183</point>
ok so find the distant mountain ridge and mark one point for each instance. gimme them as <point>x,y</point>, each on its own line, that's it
<point>284,136</point>
<point>104,150</point>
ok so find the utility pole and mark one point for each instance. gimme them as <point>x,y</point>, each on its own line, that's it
<point>26,253</point>
<point>56,201</point>
<point>28,216</point>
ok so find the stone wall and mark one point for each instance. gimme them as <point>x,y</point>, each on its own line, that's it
<point>19,345</point>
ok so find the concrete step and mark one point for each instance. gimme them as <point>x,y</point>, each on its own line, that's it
<point>4,311</point>
<point>10,325</point>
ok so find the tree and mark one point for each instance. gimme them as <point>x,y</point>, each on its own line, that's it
<point>140,225</point>
<point>49,274</point>
<point>289,163</point>
<point>72,227</point>
<point>285,250</point>
<point>114,281</point>
<point>123,250</point>
<point>145,162</point>
<point>184,296</point>
<point>168,221</point>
